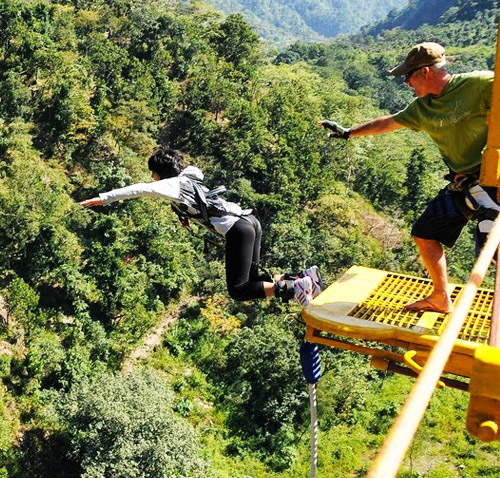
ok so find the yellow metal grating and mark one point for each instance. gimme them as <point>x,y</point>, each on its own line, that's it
<point>385,306</point>
<point>476,327</point>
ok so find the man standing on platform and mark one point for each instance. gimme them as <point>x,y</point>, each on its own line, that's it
<point>453,110</point>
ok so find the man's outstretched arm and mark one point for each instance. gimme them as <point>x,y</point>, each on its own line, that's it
<point>381,125</point>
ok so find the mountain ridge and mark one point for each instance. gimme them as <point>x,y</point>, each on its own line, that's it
<point>433,12</point>
<point>283,21</point>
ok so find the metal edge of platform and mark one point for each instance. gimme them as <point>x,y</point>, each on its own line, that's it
<point>329,312</point>
<point>460,361</point>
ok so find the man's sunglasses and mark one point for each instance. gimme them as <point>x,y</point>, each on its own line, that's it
<point>408,75</point>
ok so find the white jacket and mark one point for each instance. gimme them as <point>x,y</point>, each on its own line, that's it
<point>173,190</point>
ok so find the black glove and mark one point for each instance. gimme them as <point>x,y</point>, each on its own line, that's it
<point>337,130</point>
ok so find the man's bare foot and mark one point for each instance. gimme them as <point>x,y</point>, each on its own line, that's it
<point>434,302</point>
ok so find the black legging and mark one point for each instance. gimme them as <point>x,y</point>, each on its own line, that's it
<point>242,258</point>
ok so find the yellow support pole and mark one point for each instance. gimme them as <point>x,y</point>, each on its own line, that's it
<point>490,166</point>
<point>483,415</point>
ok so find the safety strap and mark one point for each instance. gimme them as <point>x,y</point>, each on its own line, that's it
<point>467,204</point>
<point>200,197</point>
<point>201,201</point>
<point>468,209</point>
<point>216,191</point>
<point>207,210</point>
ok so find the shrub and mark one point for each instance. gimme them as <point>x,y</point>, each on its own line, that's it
<point>125,427</point>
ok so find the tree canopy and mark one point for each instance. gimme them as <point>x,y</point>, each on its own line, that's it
<point>88,89</point>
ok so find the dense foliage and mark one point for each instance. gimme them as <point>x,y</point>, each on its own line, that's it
<point>88,88</point>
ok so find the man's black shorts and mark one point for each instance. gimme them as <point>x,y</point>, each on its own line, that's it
<point>442,220</point>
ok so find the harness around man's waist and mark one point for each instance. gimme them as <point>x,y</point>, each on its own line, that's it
<point>460,188</point>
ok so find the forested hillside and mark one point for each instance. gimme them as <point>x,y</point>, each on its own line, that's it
<point>283,21</point>
<point>88,89</point>
<point>439,12</point>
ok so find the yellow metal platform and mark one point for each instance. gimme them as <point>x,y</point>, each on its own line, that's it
<point>368,304</point>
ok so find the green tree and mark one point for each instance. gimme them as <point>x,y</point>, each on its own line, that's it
<point>417,183</point>
<point>264,390</point>
<point>126,427</point>
<point>236,42</point>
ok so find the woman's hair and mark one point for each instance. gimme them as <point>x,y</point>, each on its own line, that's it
<point>166,162</point>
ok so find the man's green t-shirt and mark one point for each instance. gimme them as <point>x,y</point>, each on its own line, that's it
<point>455,119</point>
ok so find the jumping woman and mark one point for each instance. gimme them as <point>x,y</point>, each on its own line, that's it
<point>190,199</point>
